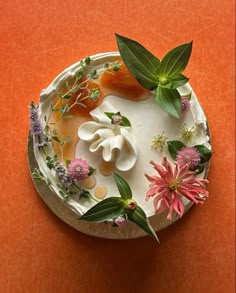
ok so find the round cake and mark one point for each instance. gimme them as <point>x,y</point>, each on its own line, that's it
<point>112,161</point>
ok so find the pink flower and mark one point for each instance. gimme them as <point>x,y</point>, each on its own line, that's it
<point>172,184</point>
<point>120,221</point>
<point>188,155</point>
<point>185,105</point>
<point>78,169</point>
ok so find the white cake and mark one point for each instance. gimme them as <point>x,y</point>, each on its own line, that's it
<point>130,156</point>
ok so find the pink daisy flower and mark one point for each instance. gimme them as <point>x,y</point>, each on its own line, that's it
<point>189,156</point>
<point>172,184</point>
<point>78,169</point>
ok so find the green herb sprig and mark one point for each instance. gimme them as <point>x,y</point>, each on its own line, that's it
<point>164,76</point>
<point>125,206</point>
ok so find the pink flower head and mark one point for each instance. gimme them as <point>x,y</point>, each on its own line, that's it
<point>185,104</point>
<point>116,119</point>
<point>172,184</point>
<point>189,156</point>
<point>78,169</point>
<point>120,221</point>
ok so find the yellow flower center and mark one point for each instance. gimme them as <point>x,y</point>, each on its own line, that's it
<point>173,185</point>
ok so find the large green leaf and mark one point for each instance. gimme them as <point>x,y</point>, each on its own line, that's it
<point>174,146</point>
<point>105,210</point>
<point>169,100</point>
<point>123,187</point>
<point>141,63</point>
<point>205,153</point>
<point>175,61</point>
<point>139,217</point>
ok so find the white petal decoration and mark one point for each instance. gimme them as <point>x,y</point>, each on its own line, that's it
<point>116,143</point>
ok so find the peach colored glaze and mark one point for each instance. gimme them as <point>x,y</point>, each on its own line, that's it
<point>120,83</point>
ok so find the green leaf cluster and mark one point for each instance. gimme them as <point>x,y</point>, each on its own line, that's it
<point>124,120</point>
<point>113,207</point>
<point>164,76</point>
<point>205,154</point>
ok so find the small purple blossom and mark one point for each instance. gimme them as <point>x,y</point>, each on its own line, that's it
<point>36,127</point>
<point>78,169</point>
<point>185,105</point>
<point>116,119</point>
<point>120,221</point>
<point>63,174</point>
<point>188,156</point>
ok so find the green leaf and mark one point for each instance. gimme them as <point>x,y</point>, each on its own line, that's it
<point>175,81</point>
<point>123,187</point>
<point>174,146</point>
<point>105,210</point>
<point>175,61</point>
<point>188,96</point>
<point>139,217</point>
<point>204,152</point>
<point>199,167</point>
<point>66,97</point>
<point>109,114</point>
<point>91,171</point>
<point>139,61</point>
<point>125,122</point>
<point>56,139</point>
<point>169,100</point>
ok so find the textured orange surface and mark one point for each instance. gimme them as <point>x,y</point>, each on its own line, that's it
<point>38,252</point>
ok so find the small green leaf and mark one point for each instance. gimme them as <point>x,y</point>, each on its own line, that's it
<point>174,146</point>
<point>188,96</point>
<point>67,163</point>
<point>175,81</point>
<point>175,61</point>
<point>139,61</point>
<point>84,194</point>
<point>105,210</point>
<point>66,97</point>
<point>139,217</point>
<point>116,66</point>
<point>66,140</point>
<point>109,114</point>
<point>56,139</point>
<point>169,100</point>
<point>123,187</point>
<point>87,60</point>
<point>125,122</point>
<point>91,171</point>
<point>205,153</point>
<point>200,168</point>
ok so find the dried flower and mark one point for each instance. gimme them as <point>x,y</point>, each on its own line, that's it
<point>78,169</point>
<point>120,221</point>
<point>36,127</point>
<point>159,141</point>
<point>187,133</point>
<point>116,119</point>
<point>63,174</point>
<point>189,156</point>
<point>172,184</point>
<point>185,104</point>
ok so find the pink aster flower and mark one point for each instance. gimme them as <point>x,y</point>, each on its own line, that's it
<point>172,185</point>
<point>78,169</point>
<point>185,105</point>
<point>189,156</point>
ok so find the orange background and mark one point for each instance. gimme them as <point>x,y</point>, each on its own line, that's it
<point>38,252</point>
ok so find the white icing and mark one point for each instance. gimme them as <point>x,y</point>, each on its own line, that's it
<point>116,143</point>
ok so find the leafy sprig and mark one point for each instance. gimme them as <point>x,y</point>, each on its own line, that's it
<point>164,76</point>
<point>125,206</point>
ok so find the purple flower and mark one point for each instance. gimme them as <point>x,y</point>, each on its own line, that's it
<point>36,127</point>
<point>78,169</point>
<point>120,221</point>
<point>185,105</point>
<point>188,156</point>
<point>63,174</point>
<point>116,119</point>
